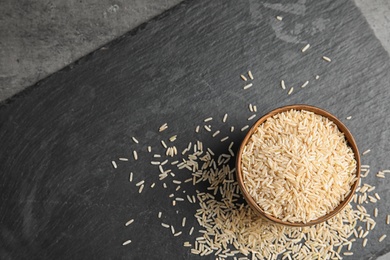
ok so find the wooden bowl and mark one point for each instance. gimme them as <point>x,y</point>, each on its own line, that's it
<point>351,143</point>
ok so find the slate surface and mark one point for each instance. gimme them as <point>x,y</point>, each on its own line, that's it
<point>61,197</point>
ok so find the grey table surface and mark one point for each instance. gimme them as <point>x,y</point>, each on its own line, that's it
<point>39,37</point>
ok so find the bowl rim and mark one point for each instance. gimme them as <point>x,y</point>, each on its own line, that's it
<point>350,140</point>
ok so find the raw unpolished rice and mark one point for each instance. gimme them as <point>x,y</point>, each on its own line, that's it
<point>163,127</point>
<point>305,84</point>
<point>126,242</point>
<point>307,46</point>
<point>228,222</point>
<point>231,227</point>
<point>224,118</point>
<point>244,128</point>
<point>129,222</point>
<point>248,86</point>
<point>282,84</point>
<point>243,77</point>
<point>114,164</point>
<point>135,155</point>
<point>250,75</point>
<point>251,117</point>
<point>298,160</point>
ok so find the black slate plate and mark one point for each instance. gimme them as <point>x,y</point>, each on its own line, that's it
<point>61,197</point>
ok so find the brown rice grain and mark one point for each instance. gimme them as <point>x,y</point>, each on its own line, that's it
<point>114,164</point>
<point>282,84</point>
<point>250,75</point>
<point>129,222</point>
<point>307,46</point>
<point>248,86</point>
<point>126,242</point>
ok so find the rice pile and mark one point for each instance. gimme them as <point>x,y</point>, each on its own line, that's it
<point>298,166</point>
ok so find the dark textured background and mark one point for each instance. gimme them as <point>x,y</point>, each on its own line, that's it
<point>60,196</point>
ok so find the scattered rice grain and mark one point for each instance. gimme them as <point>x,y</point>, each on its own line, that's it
<point>114,164</point>
<point>366,152</point>
<point>216,133</point>
<point>251,117</point>
<point>250,75</point>
<point>165,225</point>
<point>224,139</point>
<point>244,128</point>
<point>305,48</point>
<point>135,140</point>
<point>282,84</point>
<point>248,86</point>
<point>305,84</point>
<point>163,127</point>
<point>129,222</point>
<point>126,242</point>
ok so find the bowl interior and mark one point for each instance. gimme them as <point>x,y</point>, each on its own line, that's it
<point>350,140</point>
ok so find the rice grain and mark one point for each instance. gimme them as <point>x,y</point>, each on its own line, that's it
<point>126,242</point>
<point>305,48</point>
<point>282,84</point>
<point>134,140</point>
<point>248,86</point>
<point>114,164</point>
<point>250,75</point>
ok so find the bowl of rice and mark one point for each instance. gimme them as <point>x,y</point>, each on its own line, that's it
<point>298,166</point>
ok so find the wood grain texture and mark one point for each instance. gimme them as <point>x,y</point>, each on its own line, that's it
<point>60,196</point>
